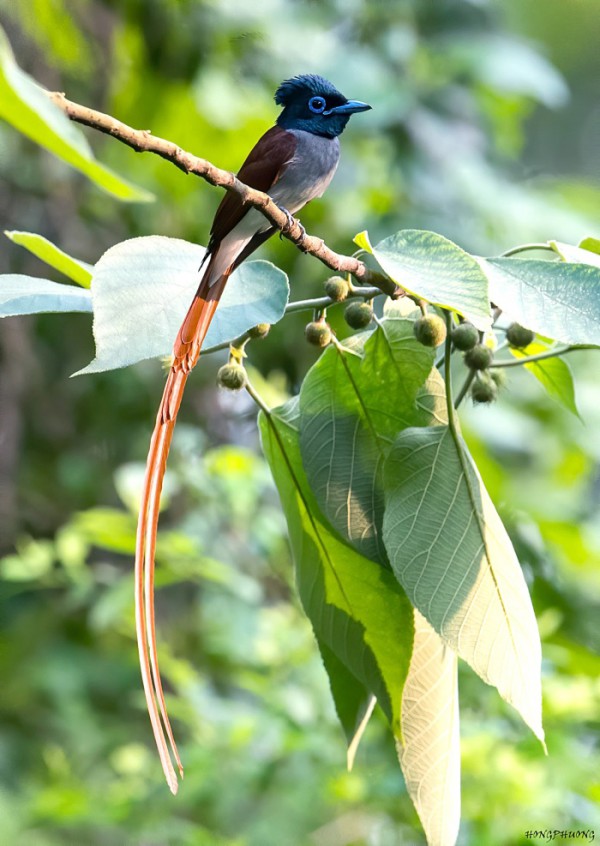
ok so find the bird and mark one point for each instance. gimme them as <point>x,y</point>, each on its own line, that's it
<point>293,162</point>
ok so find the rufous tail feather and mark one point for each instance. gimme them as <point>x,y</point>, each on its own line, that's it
<point>185,355</point>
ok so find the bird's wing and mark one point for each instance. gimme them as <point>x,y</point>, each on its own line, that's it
<point>264,166</point>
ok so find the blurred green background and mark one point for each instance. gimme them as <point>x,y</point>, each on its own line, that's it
<point>486,128</point>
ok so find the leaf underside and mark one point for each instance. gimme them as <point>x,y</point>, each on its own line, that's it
<point>142,289</point>
<point>356,607</point>
<point>451,553</point>
<point>21,294</point>
<point>556,299</point>
<point>437,270</point>
<point>429,752</point>
<point>353,403</point>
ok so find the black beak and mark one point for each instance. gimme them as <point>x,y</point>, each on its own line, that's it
<point>348,108</point>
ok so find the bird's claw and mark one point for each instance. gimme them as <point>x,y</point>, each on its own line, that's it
<point>290,222</point>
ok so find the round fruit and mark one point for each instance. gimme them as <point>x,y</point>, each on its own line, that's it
<point>499,377</point>
<point>518,336</point>
<point>430,331</point>
<point>231,376</point>
<point>483,391</point>
<point>358,315</point>
<point>318,333</point>
<point>337,288</point>
<point>261,330</point>
<point>465,336</point>
<point>479,358</point>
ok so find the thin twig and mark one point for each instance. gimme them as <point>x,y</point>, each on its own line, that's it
<point>540,356</point>
<point>522,248</point>
<point>301,305</point>
<point>325,302</point>
<point>142,141</point>
<point>464,387</point>
<point>251,390</point>
<point>448,370</point>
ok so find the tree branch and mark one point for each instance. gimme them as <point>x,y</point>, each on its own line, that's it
<point>142,141</point>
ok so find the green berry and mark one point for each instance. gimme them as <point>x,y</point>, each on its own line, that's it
<point>483,390</point>
<point>465,336</point>
<point>358,315</point>
<point>318,333</point>
<point>261,330</point>
<point>499,377</point>
<point>518,336</point>
<point>430,330</point>
<point>231,376</point>
<point>479,358</point>
<point>337,288</point>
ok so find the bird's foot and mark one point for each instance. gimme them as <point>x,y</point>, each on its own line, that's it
<point>290,222</point>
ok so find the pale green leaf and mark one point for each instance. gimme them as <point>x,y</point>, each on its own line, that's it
<point>452,555</point>
<point>349,420</point>
<point>553,373</point>
<point>356,607</point>
<point>362,240</point>
<point>30,295</point>
<point>401,307</point>
<point>590,244</point>
<point>26,106</point>
<point>575,255</point>
<point>32,561</point>
<point>78,271</point>
<point>553,298</point>
<point>436,270</point>
<point>515,67</point>
<point>142,289</point>
<point>429,751</point>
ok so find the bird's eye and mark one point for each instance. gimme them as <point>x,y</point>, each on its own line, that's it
<point>316,105</point>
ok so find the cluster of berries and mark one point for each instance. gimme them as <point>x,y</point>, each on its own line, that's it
<point>430,330</point>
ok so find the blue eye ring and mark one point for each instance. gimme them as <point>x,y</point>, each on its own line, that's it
<point>317,105</point>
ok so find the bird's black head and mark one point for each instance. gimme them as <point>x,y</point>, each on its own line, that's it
<point>315,105</point>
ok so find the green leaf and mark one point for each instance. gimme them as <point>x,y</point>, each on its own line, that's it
<point>553,373</point>
<point>434,269</point>
<point>142,289</point>
<point>556,299</point>
<point>353,702</point>
<point>590,244</point>
<point>402,307</point>
<point>348,423</point>
<point>575,255</point>
<point>429,753</point>
<point>78,271</point>
<point>107,528</point>
<point>362,240</point>
<point>26,106</point>
<point>32,561</point>
<point>452,555</point>
<point>356,607</point>
<point>30,295</point>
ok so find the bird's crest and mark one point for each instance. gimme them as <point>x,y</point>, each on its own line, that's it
<point>306,83</point>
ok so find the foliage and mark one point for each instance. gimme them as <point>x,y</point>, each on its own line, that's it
<point>260,750</point>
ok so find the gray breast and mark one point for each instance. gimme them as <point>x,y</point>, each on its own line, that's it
<point>310,171</point>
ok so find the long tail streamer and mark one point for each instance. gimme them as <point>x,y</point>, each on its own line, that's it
<point>185,355</point>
